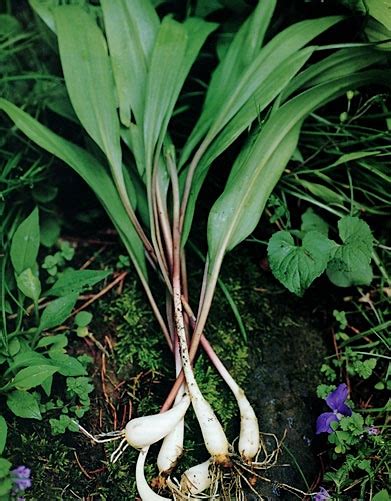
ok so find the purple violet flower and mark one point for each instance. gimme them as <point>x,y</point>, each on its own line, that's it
<point>372,430</point>
<point>21,479</point>
<point>336,401</point>
<point>322,495</point>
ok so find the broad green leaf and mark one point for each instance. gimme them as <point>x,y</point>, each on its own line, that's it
<point>24,405</point>
<point>76,281</point>
<point>50,231</point>
<point>131,28</point>
<point>83,318</point>
<point>30,377</point>
<point>236,213</point>
<point>270,88</point>
<point>381,11</point>
<point>89,80</point>
<point>26,359</point>
<point>381,496</point>
<point>44,8</point>
<point>67,365</point>
<point>223,101</point>
<point>57,311</point>
<point>25,243</point>
<point>341,63</point>
<point>310,221</point>
<point>350,263</point>
<point>14,347</point>
<point>177,46</point>
<point>166,61</point>
<point>29,284</point>
<point>47,385</point>
<point>296,267</point>
<point>3,433</point>
<point>57,341</point>
<point>93,173</point>
<point>5,467</point>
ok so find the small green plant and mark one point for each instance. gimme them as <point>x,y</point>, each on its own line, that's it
<point>346,263</point>
<point>32,355</point>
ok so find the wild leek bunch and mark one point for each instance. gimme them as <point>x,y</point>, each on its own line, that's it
<point>124,70</point>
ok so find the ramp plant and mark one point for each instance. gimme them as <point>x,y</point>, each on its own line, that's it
<point>124,70</point>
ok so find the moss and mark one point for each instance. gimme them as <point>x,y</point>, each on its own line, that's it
<point>144,366</point>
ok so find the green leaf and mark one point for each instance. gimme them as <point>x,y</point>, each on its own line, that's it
<point>381,11</point>
<point>89,80</point>
<point>83,318</point>
<point>14,347</point>
<point>312,222</point>
<point>57,311</point>
<point>5,467</point>
<point>50,231</point>
<point>24,405</point>
<point>47,385</point>
<point>381,496</point>
<point>131,29</point>
<point>350,263</point>
<point>67,365</point>
<point>93,173</point>
<point>177,45</point>
<point>3,433</point>
<point>58,341</point>
<point>296,267</point>
<point>29,284</point>
<point>76,281</point>
<point>30,377</point>
<point>28,358</point>
<point>25,243</point>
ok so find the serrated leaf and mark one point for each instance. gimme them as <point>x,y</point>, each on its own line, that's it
<point>57,311</point>
<point>296,267</point>
<point>350,263</point>
<point>29,284</point>
<point>25,243</point>
<point>312,222</point>
<point>30,377</point>
<point>24,405</point>
<point>76,281</point>
<point>67,365</point>
<point>3,433</point>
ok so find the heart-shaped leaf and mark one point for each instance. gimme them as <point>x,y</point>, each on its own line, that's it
<point>295,266</point>
<point>350,263</point>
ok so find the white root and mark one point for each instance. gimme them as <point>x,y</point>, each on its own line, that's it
<point>144,490</point>
<point>171,449</point>
<point>197,478</point>
<point>214,437</point>
<point>144,431</point>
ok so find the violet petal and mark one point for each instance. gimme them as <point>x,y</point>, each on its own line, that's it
<point>336,399</point>
<point>323,422</point>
